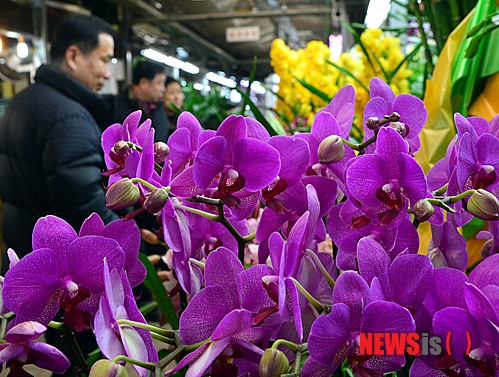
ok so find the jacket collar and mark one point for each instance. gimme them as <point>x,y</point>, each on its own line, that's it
<point>55,77</point>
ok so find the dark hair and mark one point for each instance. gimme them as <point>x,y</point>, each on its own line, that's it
<point>79,30</point>
<point>147,70</point>
<point>169,80</point>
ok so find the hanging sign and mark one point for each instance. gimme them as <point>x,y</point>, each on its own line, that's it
<point>242,34</point>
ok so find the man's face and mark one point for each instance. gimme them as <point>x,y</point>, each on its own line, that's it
<point>92,68</point>
<point>174,95</point>
<point>154,89</point>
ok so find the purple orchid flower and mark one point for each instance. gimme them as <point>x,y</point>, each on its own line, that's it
<point>383,102</point>
<point>388,180</point>
<point>477,162</point>
<point>480,321</point>
<point>129,162</point>
<point>491,237</point>
<point>296,200</point>
<point>65,271</point>
<point>224,314</point>
<point>326,125</point>
<point>336,335</point>
<point>447,247</point>
<point>20,349</point>
<point>294,154</point>
<point>184,142</point>
<point>466,307</point>
<point>286,259</point>
<point>346,237</point>
<point>207,235</point>
<point>114,339</point>
<point>342,107</point>
<point>392,275</point>
<point>240,164</point>
<point>127,234</point>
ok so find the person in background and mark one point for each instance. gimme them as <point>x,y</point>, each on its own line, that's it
<point>145,93</point>
<point>173,95</point>
<point>50,152</point>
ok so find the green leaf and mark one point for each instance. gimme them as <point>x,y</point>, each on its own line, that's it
<point>93,357</point>
<point>257,113</point>
<point>405,60</point>
<point>148,308</point>
<point>248,89</point>
<point>155,285</point>
<point>348,73</point>
<point>314,90</point>
<point>357,39</point>
<point>473,227</point>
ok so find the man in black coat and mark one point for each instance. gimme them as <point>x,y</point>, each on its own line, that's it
<point>50,154</point>
<point>145,94</point>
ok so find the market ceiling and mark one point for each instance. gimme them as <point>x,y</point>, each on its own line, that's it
<point>197,30</point>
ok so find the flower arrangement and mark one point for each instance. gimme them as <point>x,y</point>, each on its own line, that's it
<point>371,306</point>
<point>376,55</point>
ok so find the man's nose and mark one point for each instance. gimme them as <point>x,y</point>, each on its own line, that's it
<point>108,74</point>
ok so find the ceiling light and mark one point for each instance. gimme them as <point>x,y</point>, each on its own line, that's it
<point>22,48</point>
<point>212,76</point>
<point>170,60</point>
<point>377,11</point>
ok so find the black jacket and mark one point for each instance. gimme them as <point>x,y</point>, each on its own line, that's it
<point>50,156</point>
<point>119,107</point>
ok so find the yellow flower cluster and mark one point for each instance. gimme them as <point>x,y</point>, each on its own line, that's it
<point>295,102</point>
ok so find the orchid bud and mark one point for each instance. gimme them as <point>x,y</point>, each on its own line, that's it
<point>149,237</point>
<point>373,123</point>
<point>401,128</point>
<point>331,149</point>
<point>487,248</point>
<point>121,147</point>
<point>273,363</point>
<point>484,205</point>
<point>122,194</point>
<point>107,368</point>
<point>393,117</point>
<point>161,151</point>
<point>118,152</point>
<point>423,210</point>
<point>156,201</point>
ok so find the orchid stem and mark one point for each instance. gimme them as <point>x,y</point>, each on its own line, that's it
<point>321,267</point>
<point>441,204</point>
<point>143,364</point>
<point>170,357</point>
<point>441,190</point>
<point>455,199</point>
<point>56,325</point>
<point>153,329</point>
<point>206,215</point>
<point>297,363</point>
<point>145,183</point>
<point>197,263</point>
<point>292,346</point>
<point>241,241</point>
<point>359,147</point>
<point>4,322</point>
<point>316,304</point>
<point>81,366</point>
<point>162,338</point>
<point>195,346</point>
<point>250,237</point>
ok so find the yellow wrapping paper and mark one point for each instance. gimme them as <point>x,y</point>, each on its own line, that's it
<point>439,129</point>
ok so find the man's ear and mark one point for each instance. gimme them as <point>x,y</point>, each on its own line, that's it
<point>71,57</point>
